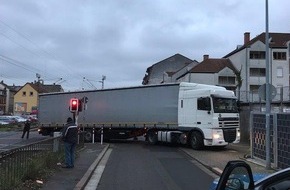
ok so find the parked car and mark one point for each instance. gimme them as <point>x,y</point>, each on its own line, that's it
<point>3,123</point>
<point>19,119</point>
<point>32,118</point>
<point>237,175</point>
<point>8,119</point>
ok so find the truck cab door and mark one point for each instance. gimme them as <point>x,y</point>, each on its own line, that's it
<point>203,112</point>
<point>237,175</point>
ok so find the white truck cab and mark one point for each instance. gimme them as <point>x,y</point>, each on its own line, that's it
<point>210,113</point>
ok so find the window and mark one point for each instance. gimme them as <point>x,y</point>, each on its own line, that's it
<point>31,94</point>
<point>203,104</point>
<point>257,72</point>
<point>24,93</point>
<point>254,88</point>
<point>224,105</point>
<point>227,80</point>
<point>257,55</point>
<point>280,72</point>
<point>279,55</point>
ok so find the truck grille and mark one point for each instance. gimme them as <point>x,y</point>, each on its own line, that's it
<point>229,122</point>
<point>230,135</point>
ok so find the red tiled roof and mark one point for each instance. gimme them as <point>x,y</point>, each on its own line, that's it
<point>278,40</point>
<point>213,66</point>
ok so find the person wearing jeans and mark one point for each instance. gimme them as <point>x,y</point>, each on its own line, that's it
<point>70,138</point>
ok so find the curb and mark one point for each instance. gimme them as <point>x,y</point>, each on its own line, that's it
<point>215,170</point>
<point>83,182</point>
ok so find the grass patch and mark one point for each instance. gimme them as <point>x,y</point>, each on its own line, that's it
<point>38,169</point>
<point>10,128</point>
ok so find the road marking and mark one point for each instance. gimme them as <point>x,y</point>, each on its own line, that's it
<point>95,179</point>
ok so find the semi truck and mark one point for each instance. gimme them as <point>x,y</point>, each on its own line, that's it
<point>187,113</point>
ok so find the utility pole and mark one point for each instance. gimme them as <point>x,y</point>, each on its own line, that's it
<point>268,108</point>
<point>103,81</point>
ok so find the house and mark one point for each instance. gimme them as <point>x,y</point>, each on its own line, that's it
<point>7,97</point>
<point>213,71</point>
<point>249,59</point>
<point>165,71</point>
<point>26,98</point>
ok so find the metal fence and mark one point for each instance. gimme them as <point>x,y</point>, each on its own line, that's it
<point>279,138</point>
<point>282,94</point>
<point>18,164</point>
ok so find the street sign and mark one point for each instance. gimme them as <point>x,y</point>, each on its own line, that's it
<point>262,92</point>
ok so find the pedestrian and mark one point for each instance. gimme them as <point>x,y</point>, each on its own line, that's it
<point>26,129</point>
<point>70,137</point>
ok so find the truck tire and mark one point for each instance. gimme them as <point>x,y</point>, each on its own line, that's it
<point>196,140</point>
<point>152,137</point>
<point>88,135</point>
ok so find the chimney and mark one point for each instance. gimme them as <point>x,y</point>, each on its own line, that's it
<point>246,37</point>
<point>205,57</point>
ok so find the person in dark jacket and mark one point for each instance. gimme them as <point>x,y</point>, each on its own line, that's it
<point>70,138</point>
<point>26,129</point>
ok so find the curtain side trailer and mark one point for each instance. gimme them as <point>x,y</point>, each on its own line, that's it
<point>175,113</point>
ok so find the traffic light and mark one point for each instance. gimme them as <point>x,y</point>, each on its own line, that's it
<point>74,105</point>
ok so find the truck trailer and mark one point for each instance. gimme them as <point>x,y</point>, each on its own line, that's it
<point>187,113</point>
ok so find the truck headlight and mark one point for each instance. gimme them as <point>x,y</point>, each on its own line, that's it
<point>216,136</point>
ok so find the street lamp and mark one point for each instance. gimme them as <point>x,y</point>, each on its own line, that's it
<point>268,106</point>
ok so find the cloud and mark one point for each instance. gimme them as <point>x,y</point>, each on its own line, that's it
<point>120,39</point>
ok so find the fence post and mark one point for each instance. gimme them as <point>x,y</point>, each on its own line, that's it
<point>56,143</point>
<point>275,140</point>
<point>93,137</point>
<point>251,133</point>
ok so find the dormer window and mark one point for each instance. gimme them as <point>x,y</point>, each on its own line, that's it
<point>257,54</point>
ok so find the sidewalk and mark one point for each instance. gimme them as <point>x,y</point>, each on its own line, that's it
<point>216,159</point>
<point>76,178</point>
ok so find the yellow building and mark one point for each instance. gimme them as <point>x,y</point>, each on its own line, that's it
<point>26,98</point>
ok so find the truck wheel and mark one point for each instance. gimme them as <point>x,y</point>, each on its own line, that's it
<point>152,137</point>
<point>196,140</point>
<point>88,136</point>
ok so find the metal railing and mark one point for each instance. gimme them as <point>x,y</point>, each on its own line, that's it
<point>19,164</point>
<point>282,95</point>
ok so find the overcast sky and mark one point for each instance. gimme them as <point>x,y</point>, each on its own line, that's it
<point>82,40</point>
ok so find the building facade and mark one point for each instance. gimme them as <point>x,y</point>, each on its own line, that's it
<point>26,98</point>
<point>213,71</point>
<point>7,98</point>
<point>250,60</point>
<point>163,71</point>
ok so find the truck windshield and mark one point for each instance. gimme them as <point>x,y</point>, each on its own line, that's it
<point>224,105</point>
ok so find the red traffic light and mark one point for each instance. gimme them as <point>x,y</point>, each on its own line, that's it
<point>74,105</point>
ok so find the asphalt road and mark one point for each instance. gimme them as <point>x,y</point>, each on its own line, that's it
<point>141,166</point>
<point>12,139</point>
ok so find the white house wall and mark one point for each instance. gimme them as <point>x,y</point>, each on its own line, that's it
<point>276,64</point>
<point>238,60</point>
<point>227,72</point>
<point>203,78</point>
